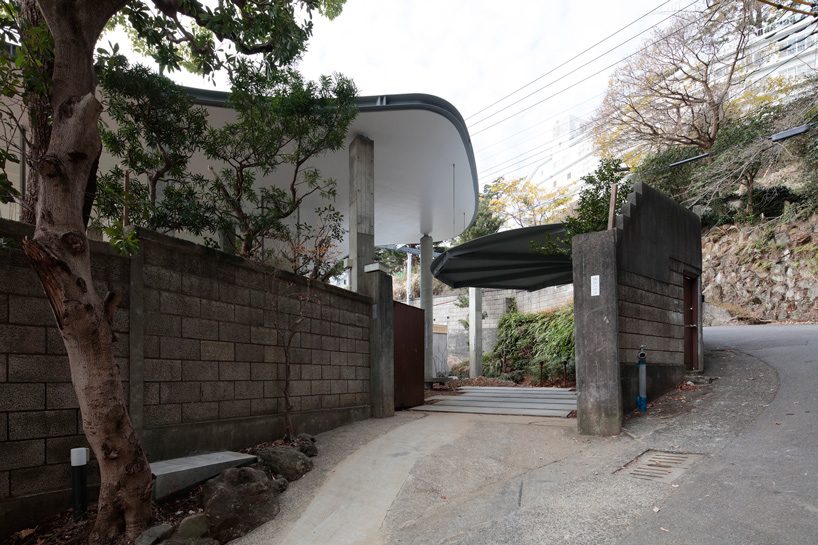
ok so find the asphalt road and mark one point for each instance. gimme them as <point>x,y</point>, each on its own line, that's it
<point>761,488</point>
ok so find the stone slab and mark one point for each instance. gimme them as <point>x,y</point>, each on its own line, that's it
<point>522,403</point>
<point>507,404</point>
<point>491,410</point>
<point>178,474</point>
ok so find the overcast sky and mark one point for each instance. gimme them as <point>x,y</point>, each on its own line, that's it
<point>473,52</point>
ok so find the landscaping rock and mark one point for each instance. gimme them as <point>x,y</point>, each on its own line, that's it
<point>287,461</point>
<point>154,534</point>
<point>280,485</point>
<point>192,526</point>
<point>237,501</point>
<point>306,444</point>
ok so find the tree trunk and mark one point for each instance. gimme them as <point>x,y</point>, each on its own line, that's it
<point>59,253</point>
<point>39,117</point>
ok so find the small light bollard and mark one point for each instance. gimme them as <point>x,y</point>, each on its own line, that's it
<point>642,398</point>
<point>79,481</point>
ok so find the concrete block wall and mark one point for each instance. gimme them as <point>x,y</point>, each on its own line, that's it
<point>200,349</point>
<point>495,303</point>
<point>651,314</point>
<point>39,415</point>
<point>658,242</point>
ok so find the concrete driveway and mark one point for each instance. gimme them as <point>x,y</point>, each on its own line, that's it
<point>481,479</point>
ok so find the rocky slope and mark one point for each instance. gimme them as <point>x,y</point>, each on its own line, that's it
<point>766,272</point>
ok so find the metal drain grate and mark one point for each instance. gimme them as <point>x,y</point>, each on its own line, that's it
<point>657,465</point>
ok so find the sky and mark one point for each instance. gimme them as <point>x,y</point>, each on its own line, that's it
<point>474,52</point>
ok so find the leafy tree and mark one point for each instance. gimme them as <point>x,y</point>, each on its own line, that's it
<point>523,203</point>
<point>205,35</point>
<point>591,212</point>
<point>310,249</point>
<point>676,91</point>
<point>282,123</point>
<point>486,221</point>
<point>674,182</point>
<point>156,131</point>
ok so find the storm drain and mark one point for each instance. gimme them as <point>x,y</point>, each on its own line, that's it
<point>657,465</point>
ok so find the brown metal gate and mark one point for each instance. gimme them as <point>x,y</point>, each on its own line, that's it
<point>408,356</point>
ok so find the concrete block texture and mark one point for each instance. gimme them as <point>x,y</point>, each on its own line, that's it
<point>199,353</point>
<point>599,401</point>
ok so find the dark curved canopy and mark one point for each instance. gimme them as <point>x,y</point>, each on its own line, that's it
<point>507,260</point>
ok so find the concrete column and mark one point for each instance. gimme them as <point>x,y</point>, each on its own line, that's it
<point>361,209</point>
<point>378,286</point>
<point>596,330</point>
<point>426,303</point>
<point>475,332</point>
<point>408,278</point>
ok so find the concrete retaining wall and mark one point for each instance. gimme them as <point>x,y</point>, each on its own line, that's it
<point>200,351</point>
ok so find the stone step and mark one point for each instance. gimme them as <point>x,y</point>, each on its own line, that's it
<point>507,404</point>
<point>178,474</point>
<point>491,410</point>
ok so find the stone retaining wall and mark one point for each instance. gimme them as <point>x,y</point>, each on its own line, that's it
<point>763,272</point>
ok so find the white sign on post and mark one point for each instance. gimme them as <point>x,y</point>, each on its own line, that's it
<point>595,285</point>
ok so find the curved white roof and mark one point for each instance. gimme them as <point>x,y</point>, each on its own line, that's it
<point>425,174</point>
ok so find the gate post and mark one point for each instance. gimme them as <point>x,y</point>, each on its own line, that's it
<point>596,333</point>
<point>378,286</point>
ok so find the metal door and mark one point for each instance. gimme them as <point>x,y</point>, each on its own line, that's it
<point>408,356</point>
<point>691,323</point>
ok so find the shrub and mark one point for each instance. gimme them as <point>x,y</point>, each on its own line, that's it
<point>526,340</point>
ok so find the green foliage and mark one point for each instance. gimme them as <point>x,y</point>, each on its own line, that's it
<point>393,260</point>
<point>310,248</point>
<point>526,340</point>
<point>591,212</point>
<point>674,182</point>
<point>203,37</point>
<point>124,240</point>
<point>157,130</point>
<point>486,221</point>
<point>283,121</point>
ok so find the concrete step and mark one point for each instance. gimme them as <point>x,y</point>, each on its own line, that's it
<point>506,405</point>
<point>482,399</point>
<point>515,389</point>
<point>178,474</point>
<point>501,397</point>
<point>489,410</point>
<point>490,395</point>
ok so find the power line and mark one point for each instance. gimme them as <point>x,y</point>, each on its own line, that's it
<point>495,169</point>
<point>532,93</point>
<point>603,40</point>
<point>541,122</point>
<point>515,114</point>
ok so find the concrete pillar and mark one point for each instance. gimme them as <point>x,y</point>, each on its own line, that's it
<point>378,286</point>
<point>408,278</point>
<point>475,332</point>
<point>426,303</point>
<point>361,209</point>
<point>596,330</point>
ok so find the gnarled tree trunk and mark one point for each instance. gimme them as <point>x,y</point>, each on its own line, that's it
<point>60,254</point>
<point>39,117</point>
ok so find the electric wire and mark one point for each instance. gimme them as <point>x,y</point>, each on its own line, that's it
<point>532,93</point>
<point>492,171</point>
<point>538,78</point>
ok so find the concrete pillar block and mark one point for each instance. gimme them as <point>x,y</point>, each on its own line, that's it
<point>361,209</point>
<point>427,304</point>
<point>596,329</point>
<point>475,332</point>
<point>378,286</point>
